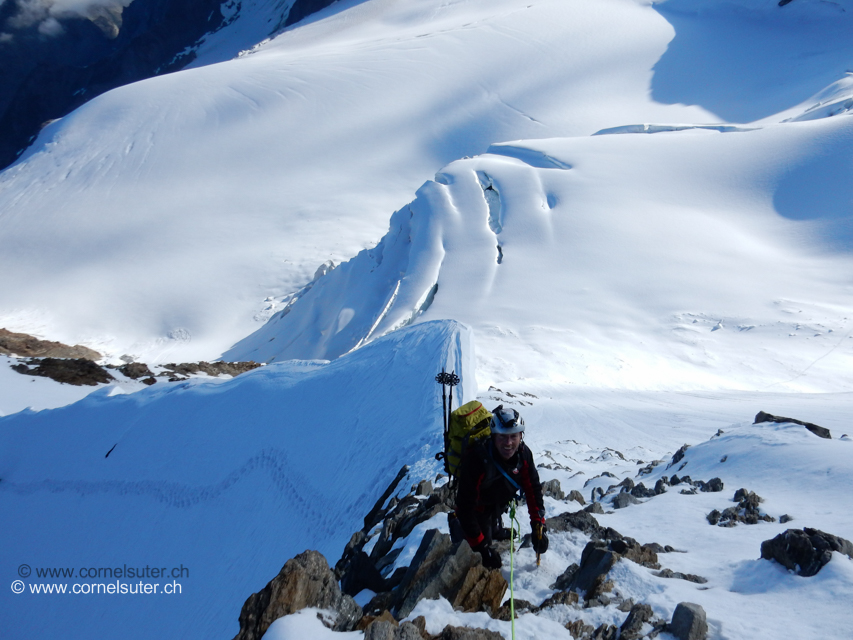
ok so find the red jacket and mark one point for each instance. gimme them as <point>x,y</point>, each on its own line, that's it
<point>484,490</point>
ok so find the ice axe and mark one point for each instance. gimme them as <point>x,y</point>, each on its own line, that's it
<point>537,531</point>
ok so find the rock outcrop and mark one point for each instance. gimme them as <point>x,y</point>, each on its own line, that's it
<point>79,371</point>
<point>688,622</point>
<point>304,581</point>
<point>746,511</point>
<point>211,368</point>
<point>821,432</point>
<point>453,571</point>
<point>27,346</point>
<point>806,550</point>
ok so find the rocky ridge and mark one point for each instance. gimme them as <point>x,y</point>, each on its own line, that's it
<point>440,568</point>
<point>78,365</point>
<point>373,563</point>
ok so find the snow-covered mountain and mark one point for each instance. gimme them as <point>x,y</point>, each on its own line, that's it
<point>629,219</point>
<point>58,54</point>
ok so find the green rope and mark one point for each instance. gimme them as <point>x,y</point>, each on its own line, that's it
<point>513,522</point>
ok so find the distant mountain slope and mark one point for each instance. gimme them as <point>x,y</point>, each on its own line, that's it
<point>54,59</point>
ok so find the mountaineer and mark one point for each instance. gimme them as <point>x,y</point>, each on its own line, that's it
<point>493,472</point>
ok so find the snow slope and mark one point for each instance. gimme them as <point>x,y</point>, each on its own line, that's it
<point>683,259</point>
<point>168,218</point>
<point>227,479</point>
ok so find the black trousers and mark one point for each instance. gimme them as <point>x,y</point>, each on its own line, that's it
<point>489,522</point>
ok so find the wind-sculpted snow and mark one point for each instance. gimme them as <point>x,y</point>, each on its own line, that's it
<point>228,479</point>
<point>732,270</point>
<point>175,207</point>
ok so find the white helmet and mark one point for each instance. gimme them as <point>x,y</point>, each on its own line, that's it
<point>506,421</point>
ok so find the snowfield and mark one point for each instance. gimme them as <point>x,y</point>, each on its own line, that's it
<point>631,220</point>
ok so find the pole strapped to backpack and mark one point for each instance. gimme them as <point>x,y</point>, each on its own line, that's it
<point>446,380</point>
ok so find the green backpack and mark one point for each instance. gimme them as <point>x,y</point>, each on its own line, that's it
<point>468,424</point>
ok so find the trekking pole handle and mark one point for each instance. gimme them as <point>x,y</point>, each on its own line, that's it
<point>450,379</point>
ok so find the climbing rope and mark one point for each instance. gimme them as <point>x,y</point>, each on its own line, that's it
<point>513,522</point>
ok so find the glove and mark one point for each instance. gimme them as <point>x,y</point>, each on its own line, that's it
<point>538,538</point>
<point>491,558</point>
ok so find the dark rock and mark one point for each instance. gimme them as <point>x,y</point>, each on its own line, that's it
<point>678,456</point>
<point>805,550</point>
<point>713,485</point>
<point>605,474</point>
<point>136,370</point>
<point>211,368</point>
<point>785,518</point>
<point>595,507</point>
<point>630,549</point>
<point>465,633</point>
<point>596,495</point>
<point>580,630</point>
<point>747,511</point>
<point>304,581</point>
<point>379,603</point>
<point>439,568</point>
<point>582,521</point>
<point>375,515</point>
<point>641,491</point>
<point>648,468</point>
<point>482,590</point>
<point>660,486</point>
<point>149,381</point>
<point>520,607</point>
<point>632,628</point>
<point>77,372</point>
<point>669,573</point>
<point>575,495</point>
<point>381,629</point>
<point>688,622</point>
<point>626,485</point>
<point>411,631</point>
<point>552,488</point>
<point>424,488</point>
<point>815,429</point>
<point>26,346</point>
<point>368,619</point>
<point>596,562</point>
<point>624,499</point>
<point>362,574</point>
<point>420,624</point>
<point>625,605</point>
<point>561,597</point>
<point>565,579</point>
<point>605,632</point>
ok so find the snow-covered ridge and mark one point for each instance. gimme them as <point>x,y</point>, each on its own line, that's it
<point>224,478</point>
<point>721,265</point>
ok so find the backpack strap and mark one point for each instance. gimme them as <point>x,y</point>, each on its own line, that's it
<point>501,469</point>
